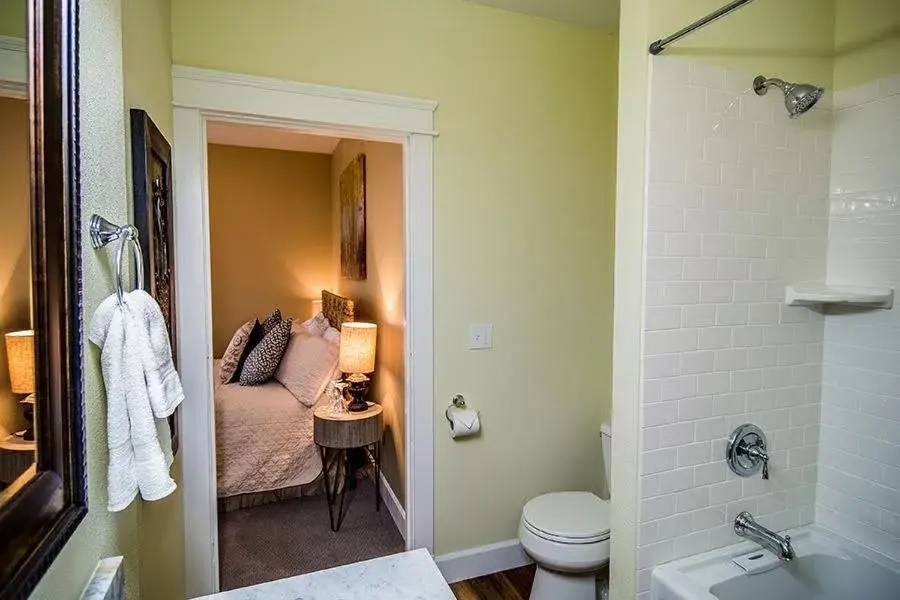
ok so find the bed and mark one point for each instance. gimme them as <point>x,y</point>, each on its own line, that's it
<point>264,436</point>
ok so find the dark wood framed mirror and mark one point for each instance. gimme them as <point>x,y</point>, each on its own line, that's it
<point>42,506</point>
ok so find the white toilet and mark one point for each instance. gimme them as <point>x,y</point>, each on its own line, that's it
<point>567,534</point>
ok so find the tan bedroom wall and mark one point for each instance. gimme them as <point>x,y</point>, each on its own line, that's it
<point>270,234</point>
<point>379,298</point>
<point>15,253</point>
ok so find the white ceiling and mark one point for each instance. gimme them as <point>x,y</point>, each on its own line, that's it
<point>261,136</point>
<point>587,13</point>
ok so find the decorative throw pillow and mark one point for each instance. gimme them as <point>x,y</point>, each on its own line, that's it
<point>254,338</point>
<point>314,326</point>
<point>263,361</point>
<point>309,363</point>
<point>272,320</point>
<point>233,353</point>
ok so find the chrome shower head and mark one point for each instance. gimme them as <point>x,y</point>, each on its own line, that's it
<point>798,97</point>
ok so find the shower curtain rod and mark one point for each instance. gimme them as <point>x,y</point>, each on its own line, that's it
<point>659,45</point>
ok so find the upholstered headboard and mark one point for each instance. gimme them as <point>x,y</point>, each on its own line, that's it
<point>337,309</point>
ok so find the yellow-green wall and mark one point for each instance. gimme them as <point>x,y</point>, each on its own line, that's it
<point>147,78</point>
<point>13,18</point>
<point>866,41</point>
<point>103,191</point>
<point>791,39</point>
<point>833,43</point>
<point>631,153</point>
<point>522,217</point>
<point>149,535</point>
<point>147,59</point>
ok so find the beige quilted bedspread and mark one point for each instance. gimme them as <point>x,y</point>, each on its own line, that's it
<point>264,439</point>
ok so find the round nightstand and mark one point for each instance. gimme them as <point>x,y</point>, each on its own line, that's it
<point>16,456</point>
<point>339,433</point>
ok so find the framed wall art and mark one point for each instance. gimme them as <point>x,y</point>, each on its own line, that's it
<point>353,219</point>
<point>151,168</point>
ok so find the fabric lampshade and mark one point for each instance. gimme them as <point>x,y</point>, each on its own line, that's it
<point>358,347</point>
<point>20,356</point>
<point>316,307</point>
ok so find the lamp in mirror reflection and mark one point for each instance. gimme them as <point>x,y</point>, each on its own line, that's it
<point>20,358</point>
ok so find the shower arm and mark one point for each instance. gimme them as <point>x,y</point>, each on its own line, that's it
<point>761,85</point>
<point>660,45</point>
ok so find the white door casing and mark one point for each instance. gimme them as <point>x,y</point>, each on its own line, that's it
<point>201,95</point>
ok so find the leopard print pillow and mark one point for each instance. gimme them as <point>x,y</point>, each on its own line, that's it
<point>263,360</point>
<point>272,320</point>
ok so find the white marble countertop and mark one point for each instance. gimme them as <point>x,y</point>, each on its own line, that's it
<point>406,576</point>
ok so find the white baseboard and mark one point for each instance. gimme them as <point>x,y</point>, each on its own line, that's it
<point>398,513</point>
<point>483,560</point>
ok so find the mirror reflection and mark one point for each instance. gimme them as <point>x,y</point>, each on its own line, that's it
<point>17,367</point>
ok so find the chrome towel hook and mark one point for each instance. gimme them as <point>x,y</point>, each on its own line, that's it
<point>102,233</point>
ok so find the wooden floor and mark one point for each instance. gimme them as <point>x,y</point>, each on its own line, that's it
<point>513,585</point>
<point>507,585</point>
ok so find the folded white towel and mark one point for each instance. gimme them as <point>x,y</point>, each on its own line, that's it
<point>141,384</point>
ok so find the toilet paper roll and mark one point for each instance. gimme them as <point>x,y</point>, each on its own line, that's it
<point>464,423</point>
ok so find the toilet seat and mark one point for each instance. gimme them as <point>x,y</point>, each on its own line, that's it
<point>568,518</point>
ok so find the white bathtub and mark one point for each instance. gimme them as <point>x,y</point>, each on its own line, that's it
<point>826,567</point>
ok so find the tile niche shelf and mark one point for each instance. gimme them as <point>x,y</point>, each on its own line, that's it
<point>818,293</point>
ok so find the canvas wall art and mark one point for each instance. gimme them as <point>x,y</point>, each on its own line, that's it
<point>353,219</point>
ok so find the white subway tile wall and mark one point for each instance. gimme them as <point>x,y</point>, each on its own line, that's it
<point>737,207</point>
<point>858,491</point>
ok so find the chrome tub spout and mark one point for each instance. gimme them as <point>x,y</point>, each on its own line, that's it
<point>746,526</point>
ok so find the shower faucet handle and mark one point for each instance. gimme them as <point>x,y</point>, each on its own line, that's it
<point>758,452</point>
<point>746,451</point>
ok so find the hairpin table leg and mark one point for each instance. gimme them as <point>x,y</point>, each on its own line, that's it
<point>342,433</point>
<point>376,449</point>
<point>335,493</point>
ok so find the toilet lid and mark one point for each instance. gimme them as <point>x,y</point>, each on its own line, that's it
<point>580,517</point>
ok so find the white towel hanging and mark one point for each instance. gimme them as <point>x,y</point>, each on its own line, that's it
<point>142,389</point>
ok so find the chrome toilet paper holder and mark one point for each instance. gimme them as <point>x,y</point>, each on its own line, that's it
<point>457,402</point>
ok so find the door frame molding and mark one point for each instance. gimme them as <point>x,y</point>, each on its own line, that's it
<point>202,95</point>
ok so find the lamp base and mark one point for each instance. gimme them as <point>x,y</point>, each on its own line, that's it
<point>358,390</point>
<point>28,403</point>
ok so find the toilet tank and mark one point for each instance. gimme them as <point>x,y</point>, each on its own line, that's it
<point>606,436</point>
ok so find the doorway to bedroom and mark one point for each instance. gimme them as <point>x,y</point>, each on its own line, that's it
<point>307,274</point>
<point>203,97</point>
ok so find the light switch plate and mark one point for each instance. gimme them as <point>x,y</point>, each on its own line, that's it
<point>481,337</point>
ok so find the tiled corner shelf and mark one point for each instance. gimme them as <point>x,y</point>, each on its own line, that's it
<point>817,293</point>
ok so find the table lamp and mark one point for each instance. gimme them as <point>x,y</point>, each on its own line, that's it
<point>20,356</point>
<point>357,357</point>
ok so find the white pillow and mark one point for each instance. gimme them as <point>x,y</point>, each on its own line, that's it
<point>333,335</point>
<point>314,326</point>
<point>308,365</point>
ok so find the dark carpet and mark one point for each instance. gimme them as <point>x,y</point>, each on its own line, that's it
<point>289,538</point>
